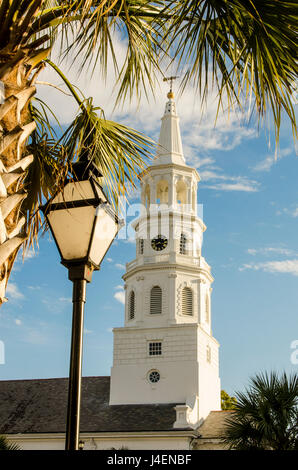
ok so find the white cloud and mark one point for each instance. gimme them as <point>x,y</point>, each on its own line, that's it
<point>65,299</point>
<point>119,266</point>
<point>223,182</point>
<point>36,337</point>
<point>295,212</point>
<point>286,266</point>
<point>18,321</point>
<point>291,212</point>
<point>202,161</point>
<point>119,287</point>
<point>245,186</point>
<point>270,160</point>
<point>197,121</point>
<point>269,250</point>
<point>56,304</point>
<point>109,260</point>
<point>120,296</point>
<point>30,254</point>
<point>252,251</point>
<point>13,292</point>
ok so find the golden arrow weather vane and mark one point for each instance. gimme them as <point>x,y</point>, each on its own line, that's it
<point>170,79</point>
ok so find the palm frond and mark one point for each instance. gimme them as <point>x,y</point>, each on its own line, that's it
<point>138,25</point>
<point>247,50</point>
<point>265,415</point>
<point>120,152</point>
<point>5,444</point>
<point>47,172</point>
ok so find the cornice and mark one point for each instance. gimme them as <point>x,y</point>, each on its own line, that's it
<point>167,267</point>
<point>169,166</point>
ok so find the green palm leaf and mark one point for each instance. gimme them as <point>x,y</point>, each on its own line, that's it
<point>266,415</point>
<point>120,152</point>
<point>246,49</point>
<point>6,445</point>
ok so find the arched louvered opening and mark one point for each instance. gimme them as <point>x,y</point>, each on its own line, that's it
<point>131,305</point>
<point>183,241</point>
<point>141,246</point>
<point>207,309</point>
<point>162,192</point>
<point>187,301</point>
<point>156,300</point>
<point>181,192</point>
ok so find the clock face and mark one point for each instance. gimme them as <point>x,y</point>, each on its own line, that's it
<point>159,243</point>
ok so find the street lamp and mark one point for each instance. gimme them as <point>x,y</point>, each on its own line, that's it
<point>83,225</point>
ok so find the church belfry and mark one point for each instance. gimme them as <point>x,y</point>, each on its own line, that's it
<point>165,353</point>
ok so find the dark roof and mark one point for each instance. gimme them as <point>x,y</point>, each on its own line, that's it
<point>214,424</point>
<point>39,406</point>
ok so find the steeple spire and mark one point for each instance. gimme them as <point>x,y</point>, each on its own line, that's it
<point>170,145</point>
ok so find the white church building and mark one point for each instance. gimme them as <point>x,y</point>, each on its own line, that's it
<point>164,389</point>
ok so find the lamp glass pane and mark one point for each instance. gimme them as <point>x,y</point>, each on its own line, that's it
<point>76,191</point>
<point>104,233</point>
<point>72,229</point>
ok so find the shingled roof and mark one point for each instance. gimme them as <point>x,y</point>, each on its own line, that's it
<point>39,406</point>
<point>214,425</point>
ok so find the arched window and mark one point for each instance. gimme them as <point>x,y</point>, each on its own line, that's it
<point>182,248</point>
<point>181,192</point>
<point>156,300</point>
<point>207,309</point>
<point>162,192</point>
<point>186,301</point>
<point>131,305</point>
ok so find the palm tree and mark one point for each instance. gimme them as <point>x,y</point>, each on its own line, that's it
<point>246,49</point>
<point>265,417</point>
<point>6,445</point>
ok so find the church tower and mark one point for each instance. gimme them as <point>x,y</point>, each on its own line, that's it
<point>165,353</point>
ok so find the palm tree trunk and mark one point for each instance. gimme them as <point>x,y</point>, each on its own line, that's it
<point>16,126</point>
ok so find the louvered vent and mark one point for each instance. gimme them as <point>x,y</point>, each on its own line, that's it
<point>183,241</point>
<point>155,300</point>
<point>131,305</point>
<point>141,246</point>
<point>186,301</point>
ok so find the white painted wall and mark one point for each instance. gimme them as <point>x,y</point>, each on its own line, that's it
<point>137,441</point>
<point>184,367</point>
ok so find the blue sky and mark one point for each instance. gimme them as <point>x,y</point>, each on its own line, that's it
<point>250,207</point>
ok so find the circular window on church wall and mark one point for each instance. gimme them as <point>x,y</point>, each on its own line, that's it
<point>154,376</point>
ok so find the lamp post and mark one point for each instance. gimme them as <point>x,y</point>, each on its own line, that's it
<point>83,225</point>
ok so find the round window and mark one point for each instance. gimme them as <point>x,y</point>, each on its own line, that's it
<point>154,376</point>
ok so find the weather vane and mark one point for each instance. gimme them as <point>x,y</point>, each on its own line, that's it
<point>170,79</point>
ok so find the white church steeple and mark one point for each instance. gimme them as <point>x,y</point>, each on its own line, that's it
<point>165,353</point>
<point>170,145</point>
